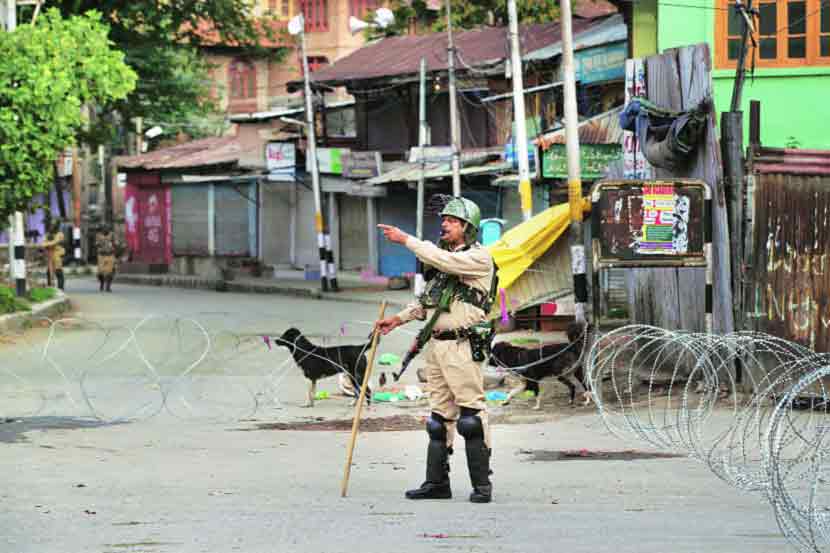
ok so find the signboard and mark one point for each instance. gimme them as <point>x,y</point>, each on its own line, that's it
<point>432,154</point>
<point>651,223</point>
<point>361,165</point>
<point>593,160</point>
<point>329,160</point>
<point>280,156</point>
<point>511,157</point>
<point>601,63</point>
<point>635,165</point>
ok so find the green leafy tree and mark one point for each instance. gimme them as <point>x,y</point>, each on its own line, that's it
<point>163,44</point>
<point>47,72</point>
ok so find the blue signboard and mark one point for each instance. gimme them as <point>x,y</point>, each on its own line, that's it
<point>601,63</point>
<point>510,155</point>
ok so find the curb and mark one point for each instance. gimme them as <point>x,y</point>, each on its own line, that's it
<point>219,285</point>
<point>15,322</point>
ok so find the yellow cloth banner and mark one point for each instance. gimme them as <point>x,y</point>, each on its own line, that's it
<point>520,246</point>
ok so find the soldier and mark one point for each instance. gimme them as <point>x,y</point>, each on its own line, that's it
<point>53,244</point>
<point>105,248</point>
<point>457,297</point>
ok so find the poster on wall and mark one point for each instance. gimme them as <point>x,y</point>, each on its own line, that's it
<point>329,160</point>
<point>647,220</point>
<point>131,217</point>
<point>635,165</point>
<point>280,160</point>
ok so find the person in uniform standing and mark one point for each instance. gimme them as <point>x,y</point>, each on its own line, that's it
<point>105,248</point>
<point>461,266</point>
<point>53,244</point>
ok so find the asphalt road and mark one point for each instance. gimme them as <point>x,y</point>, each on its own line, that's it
<point>183,474</point>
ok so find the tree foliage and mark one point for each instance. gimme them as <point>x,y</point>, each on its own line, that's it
<point>162,42</point>
<point>47,72</point>
<point>467,14</point>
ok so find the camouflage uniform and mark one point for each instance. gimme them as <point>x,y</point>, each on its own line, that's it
<point>455,384</point>
<point>105,248</point>
<point>53,244</point>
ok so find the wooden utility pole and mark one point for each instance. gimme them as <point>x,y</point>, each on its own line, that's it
<point>732,149</point>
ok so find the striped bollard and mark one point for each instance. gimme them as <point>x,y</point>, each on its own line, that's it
<point>76,244</point>
<point>331,267</point>
<point>19,263</point>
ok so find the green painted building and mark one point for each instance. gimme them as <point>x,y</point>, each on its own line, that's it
<point>792,61</point>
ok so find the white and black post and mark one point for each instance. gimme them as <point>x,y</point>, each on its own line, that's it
<point>577,244</point>
<point>19,263</point>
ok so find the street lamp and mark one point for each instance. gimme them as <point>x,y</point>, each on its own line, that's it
<point>328,271</point>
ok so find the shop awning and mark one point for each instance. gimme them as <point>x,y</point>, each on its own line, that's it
<point>411,172</point>
<point>534,263</point>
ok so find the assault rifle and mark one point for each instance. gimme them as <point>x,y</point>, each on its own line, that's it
<point>426,332</point>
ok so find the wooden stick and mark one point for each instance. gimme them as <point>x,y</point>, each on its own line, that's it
<point>359,408</point>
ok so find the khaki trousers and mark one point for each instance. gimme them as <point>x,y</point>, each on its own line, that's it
<point>106,265</point>
<point>453,381</point>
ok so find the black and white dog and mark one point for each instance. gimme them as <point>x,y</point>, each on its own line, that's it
<point>527,367</point>
<point>319,362</point>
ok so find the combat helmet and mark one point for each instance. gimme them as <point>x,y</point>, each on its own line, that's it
<point>467,211</point>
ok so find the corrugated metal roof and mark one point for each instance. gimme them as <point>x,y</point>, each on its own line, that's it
<point>411,172</point>
<point>792,161</point>
<point>199,153</point>
<point>603,31</point>
<point>398,56</point>
<point>599,129</point>
<point>283,111</point>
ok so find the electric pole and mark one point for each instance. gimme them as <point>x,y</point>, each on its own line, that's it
<point>455,131</point>
<point>577,245</point>
<point>520,138</point>
<point>422,140</point>
<point>17,238</point>
<point>315,171</point>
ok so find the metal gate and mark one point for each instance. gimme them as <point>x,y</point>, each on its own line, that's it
<point>788,293</point>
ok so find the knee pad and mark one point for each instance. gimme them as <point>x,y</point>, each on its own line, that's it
<point>470,427</point>
<point>436,428</point>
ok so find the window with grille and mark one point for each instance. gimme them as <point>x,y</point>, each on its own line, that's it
<point>316,14</point>
<point>316,62</point>
<point>790,33</point>
<point>280,8</point>
<point>242,80</point>
<point>359,8</point>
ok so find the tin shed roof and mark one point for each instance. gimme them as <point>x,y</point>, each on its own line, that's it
<point>199,153</point>
<point>401,55</point>
<point>599,129</point>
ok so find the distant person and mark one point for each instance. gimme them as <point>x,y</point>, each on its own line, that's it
<point>53,244</point>
<point>105,248</point>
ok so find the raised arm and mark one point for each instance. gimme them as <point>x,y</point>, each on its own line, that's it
<point>474,262</point>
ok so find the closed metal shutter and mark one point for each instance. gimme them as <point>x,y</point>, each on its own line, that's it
<point>191,234</point>
<point>276,223</point>
<point>354,234</point>
<point>233,220</point>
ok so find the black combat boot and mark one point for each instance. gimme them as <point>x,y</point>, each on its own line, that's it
<point>478,463</point>
<point>478,455</point>
<point>437,484</point>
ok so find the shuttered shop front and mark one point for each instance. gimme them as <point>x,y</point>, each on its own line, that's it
<point>191,231</point>
<point>235,216</point>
